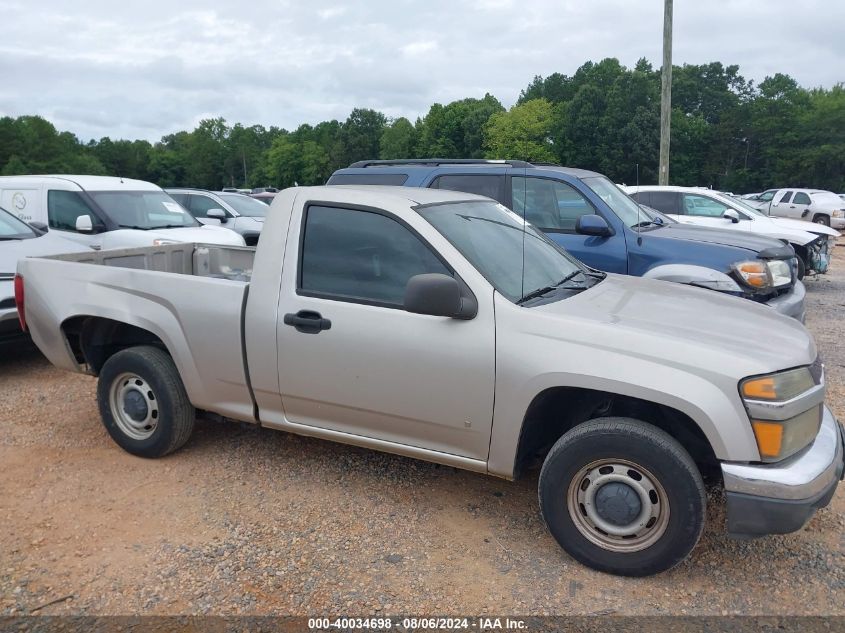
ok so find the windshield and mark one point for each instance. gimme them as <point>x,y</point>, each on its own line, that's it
<point>491,237</point>
<point>13,229</point>
<point>618,201</point>
<point>744,207</point>
<point>143,210</point>
<point>245,205</point>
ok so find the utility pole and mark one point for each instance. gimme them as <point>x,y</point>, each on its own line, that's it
<point>665,94</point>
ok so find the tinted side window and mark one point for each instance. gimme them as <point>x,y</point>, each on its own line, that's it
<point>362,256</point>
<point>801,198</point>
<point>368,179</point>
<point>665,202</point>
<point>491,186</point>
<point>200,205</point>
<point>64,207</point>
<point>550,205</point>
<point>786,197</point>
<point>643,197</point>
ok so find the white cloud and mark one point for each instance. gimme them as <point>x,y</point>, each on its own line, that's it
<point>419,48</point>
<point>147,69</point>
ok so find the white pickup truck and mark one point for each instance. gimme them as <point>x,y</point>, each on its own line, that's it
<point>438,325</point>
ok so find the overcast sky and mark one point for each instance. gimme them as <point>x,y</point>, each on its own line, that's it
<point>144,69</point>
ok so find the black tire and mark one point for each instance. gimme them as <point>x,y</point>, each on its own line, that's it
<point>170,414</point>
<point>802,268</point>
<point>646,447</point>
<point>822,219</point>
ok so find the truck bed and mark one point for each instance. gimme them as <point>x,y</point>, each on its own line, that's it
<point>201,260</point>
<point>190,296</point>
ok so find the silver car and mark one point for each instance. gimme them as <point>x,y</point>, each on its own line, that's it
<point>19,240</point>
<point>236,211</point>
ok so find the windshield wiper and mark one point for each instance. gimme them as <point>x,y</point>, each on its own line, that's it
<point>539,292</point>
<point>173,226</point>
<point>643,224</point>
<point>132,226</point>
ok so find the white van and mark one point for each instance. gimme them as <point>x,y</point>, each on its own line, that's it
<point>106,212</point>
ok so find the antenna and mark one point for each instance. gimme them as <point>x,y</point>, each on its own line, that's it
<point>639,237</point>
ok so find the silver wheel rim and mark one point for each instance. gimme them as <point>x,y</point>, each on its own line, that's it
<point>134,406</point>
<point>633,534</point>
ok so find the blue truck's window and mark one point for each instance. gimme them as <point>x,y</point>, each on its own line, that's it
<point>549,205</point>
<point>360,255</point>
<point>491,186</point>
<point>368,179</point>
<point>64,207</point>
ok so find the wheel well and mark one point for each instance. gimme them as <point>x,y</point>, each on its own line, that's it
<point>94,340</point>
<point>555,411</point>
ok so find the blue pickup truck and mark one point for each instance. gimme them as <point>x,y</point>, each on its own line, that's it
<point>589,216</point>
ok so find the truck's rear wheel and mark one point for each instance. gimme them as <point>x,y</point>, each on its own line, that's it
<point>622,496</point>
<point>143,403</point>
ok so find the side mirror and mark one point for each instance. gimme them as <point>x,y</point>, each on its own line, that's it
<point>436,294</point>
<point>217,214</point>
<point>592,225</point>
<point>731,215</point>
<point>84,224</point>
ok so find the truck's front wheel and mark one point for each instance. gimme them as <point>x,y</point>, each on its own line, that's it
<point>143,403</point>
<point>622,496</point>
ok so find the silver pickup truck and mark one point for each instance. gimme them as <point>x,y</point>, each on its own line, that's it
<point>438,325</point>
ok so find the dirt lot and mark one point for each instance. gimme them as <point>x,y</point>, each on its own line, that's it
<point>245,520</point>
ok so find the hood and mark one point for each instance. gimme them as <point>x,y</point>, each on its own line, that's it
<point>802,225</point>
<point>678,325</point>
<point>127,238</point>
<point>206,233</point>
<point>725,237</point>
<point>49,244</point>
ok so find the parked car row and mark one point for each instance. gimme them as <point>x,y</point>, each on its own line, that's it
<point>404,313</point>
<point>814,205</point>
<point>703,207</point>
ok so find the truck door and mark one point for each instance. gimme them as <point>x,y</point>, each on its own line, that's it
<point>781,204</point>
<point>366,367</point>
<point>554,207</point>
<point>799,208</point>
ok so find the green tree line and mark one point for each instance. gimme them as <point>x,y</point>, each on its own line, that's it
<point>727,133</point>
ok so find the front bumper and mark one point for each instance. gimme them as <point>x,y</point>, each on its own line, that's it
<point>780,498</point>
<point>790,304</point>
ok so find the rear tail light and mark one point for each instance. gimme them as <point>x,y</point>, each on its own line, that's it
<point>19,302</point>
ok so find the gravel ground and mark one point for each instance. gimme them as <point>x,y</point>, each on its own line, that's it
<point>247,520</point>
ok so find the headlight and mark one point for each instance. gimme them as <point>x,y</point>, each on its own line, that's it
<point>778,439</point>
<point>762,275</point>
<point>778,387</point>
<point>780,272</point>
<point>839,213</point>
